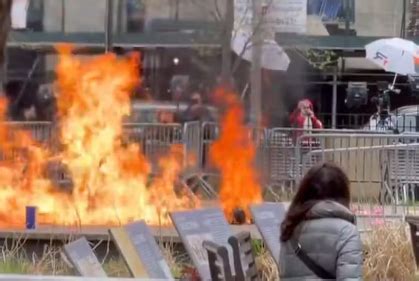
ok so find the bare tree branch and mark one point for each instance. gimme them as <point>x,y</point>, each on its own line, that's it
<point>218,13</point>
<point>229,31</point>
<point>215,14</point>
<point>259,28</point>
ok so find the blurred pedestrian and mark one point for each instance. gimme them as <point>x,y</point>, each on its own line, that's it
<point>165,117</point>
<point>196,111</point>
<point>319,237</point>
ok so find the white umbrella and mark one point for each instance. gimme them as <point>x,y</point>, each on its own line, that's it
<point>273,57</point>
<point>394,55</point>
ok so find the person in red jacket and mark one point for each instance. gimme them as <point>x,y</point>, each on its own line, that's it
<point>303,116</point>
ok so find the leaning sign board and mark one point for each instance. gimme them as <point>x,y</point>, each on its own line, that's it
<point>140,251</point>
<point>197,226</point>
<point>128,252</point>
<point>268,218</point>
<point>84,260</point>
<point>148,250</point>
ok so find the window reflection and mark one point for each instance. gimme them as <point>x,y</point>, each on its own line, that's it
<point>135,10</point>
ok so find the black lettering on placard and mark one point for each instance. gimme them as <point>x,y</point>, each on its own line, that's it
<point>194,227</point>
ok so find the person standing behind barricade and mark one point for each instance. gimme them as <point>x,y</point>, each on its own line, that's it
<point>196,110</point>
<point>304,120</point>
<point>319,237</point>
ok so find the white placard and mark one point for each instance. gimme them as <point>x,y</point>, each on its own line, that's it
<point>19,13</point>
<point>286,16</point>
<point>278,16</point>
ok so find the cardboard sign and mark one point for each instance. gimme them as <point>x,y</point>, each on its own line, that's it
<point>194,227</point>
<point>128,252</point>
<point>268,218</point>
<point>83,259</point>
<point>148,250</point>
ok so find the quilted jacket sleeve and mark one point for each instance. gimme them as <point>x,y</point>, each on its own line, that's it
<point>350,256</point>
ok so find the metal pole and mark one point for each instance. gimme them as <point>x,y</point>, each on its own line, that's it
<point>334,98</point>
<point>176,10</point>
<point>256,69</point>
<point>347,17</point>
<point>226,47</point>
<point>119,15</point>
<point>63,16</point>
<point>4,71</point>
<point>109,25</point>
<point>403,23</point>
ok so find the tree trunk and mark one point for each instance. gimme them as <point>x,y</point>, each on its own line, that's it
<point>5,21</point>
<point>413,25</point>
<point>228,24</point>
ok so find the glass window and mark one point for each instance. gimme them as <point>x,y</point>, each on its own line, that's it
<point>135,10</point>
<point>330,10</point>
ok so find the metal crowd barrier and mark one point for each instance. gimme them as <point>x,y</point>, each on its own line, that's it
<point>283,154</point>
<point>158,139</point>
<point>278,157</point>
<point>283,149</point>
<point>210,133</point>
<point>155,140</point>
<point>41,132</point>
<point>15,141</point>
<point>383,169</point>
<point>192,137</point>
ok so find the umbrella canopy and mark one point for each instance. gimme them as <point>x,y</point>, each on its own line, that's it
<point>273,57</point>
<point>394,55</point>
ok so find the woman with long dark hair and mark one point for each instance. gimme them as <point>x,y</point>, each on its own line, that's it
<point>319,238</point>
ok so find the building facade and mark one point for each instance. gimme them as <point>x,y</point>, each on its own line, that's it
<point>168,31</point>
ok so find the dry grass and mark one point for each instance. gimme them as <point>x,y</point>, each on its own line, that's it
<point>388,256</point>
<point>267,267</point>
<point>116,268</point>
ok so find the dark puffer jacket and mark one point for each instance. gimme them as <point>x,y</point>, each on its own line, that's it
<point>330,238</point>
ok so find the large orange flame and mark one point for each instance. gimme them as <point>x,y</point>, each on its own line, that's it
<point>110,179</point>
<point>234,154</point>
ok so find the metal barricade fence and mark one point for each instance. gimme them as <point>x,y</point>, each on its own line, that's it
<point>403,173</point>
<point>383,170</point>
<point>277,151</point>
<point>210,133</point>
<point>285,145</point>
<point>156,140</point>
<point>192,147</point>
<point>40,132</point>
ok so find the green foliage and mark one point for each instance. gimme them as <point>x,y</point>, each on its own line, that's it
<point>258,247</point>
<point>207,51</point>
<point>116,268</point>
<point>15,266</point>
<point>321,59</point>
